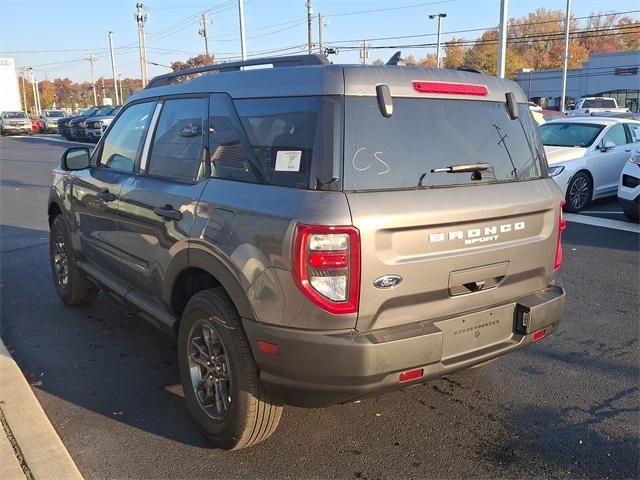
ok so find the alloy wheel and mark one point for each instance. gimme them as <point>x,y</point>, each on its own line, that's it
<point>210,373</point>
<point>578,194</point>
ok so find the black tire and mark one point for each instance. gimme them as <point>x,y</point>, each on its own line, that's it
<point>579,192</point>
<point>75,289</point>
<point>249,415</point>
<point>632,215</point>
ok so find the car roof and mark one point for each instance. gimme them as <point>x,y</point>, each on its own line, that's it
<point>323,78</point>
<point>594,120</point>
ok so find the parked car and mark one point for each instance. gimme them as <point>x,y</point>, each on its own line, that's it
<point>629,187</point>
<point>310,239</point>
<point>595,105</point>
<point>14,122</point>
<point>628,115</point>
<point>50,119</point>
<point>587,154</point>
<point>96,125</point>
<point>64,127</point>
<point>79,124</point>
<point>549,115</point>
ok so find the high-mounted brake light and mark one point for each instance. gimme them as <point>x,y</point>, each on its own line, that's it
<point>325,264</point>
<point>562,224</point>
<point>451,88</point>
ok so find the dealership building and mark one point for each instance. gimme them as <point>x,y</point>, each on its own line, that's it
<point>611,74</point>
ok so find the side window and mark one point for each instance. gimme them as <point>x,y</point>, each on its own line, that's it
<point>230,154</point>
<point>176,151</point>
<point>634,130</point>
<point>123,144</point>
<point>282,133</point>
<point>616,135</point>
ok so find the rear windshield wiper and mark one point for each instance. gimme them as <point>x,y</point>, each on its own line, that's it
<point>470,167</point>
<point>473,168</point>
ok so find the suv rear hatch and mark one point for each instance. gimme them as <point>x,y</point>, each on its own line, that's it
<point>460,242</point>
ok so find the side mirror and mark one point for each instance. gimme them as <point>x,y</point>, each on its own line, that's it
<point>606,146</point>
<point>76,158</point>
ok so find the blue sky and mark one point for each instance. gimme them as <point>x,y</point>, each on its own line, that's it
<point>55,35</point>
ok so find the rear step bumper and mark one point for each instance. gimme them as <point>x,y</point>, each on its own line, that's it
<point>314,369</point>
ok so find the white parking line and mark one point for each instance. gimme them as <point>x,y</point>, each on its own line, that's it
<point>602,222</point>
<point>61,140</point>
<point>608,212</point>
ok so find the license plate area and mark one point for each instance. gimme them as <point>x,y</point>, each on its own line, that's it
<point>464,335</point>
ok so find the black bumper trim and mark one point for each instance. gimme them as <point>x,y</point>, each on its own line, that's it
<point>319,368</point>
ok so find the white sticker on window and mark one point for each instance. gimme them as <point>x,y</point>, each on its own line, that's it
<point>288,160</point>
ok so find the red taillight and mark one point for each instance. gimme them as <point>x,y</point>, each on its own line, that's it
<point>325,264</point>
<point>562,224</point>
<point>411,375</point>
<point>328,260</point>
<point>539,335</point>
<point>451,88</point>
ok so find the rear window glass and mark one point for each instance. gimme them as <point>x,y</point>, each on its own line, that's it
<point>425,134</point>
<point>567,134</point>
<point>14,115</point>
<point>599,103</point>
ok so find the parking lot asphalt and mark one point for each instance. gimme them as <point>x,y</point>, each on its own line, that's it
<point>566,407</point>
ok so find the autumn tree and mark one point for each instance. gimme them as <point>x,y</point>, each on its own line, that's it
<point>47,94</point>
<point>454,53</point>
<point>193,62</point>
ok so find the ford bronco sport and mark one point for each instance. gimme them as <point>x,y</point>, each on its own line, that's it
<point>311,233</point>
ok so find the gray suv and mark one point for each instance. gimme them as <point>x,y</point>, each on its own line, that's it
<point>313,234</point>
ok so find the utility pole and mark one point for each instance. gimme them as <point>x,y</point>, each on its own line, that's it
<point>566,56</point>
<point>320,31</point>
<point>120,82</point>
<point>502,37</point>
<point>204,21</point>
<point>92,59</point>
<point>243,39</point>
<point>24,91</point>
<point>36,98</point>
<point>103,95</point>
<point>364,52</point>
<point>113,69</point>
<point>141,17</point>
<point>309,20</point>
<point>439,16</point>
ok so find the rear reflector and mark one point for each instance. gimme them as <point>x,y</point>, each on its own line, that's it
<point>411,375</point>
<point>451,88</point>
<point>539,335</point>
<point>562,225</point>
<point>268,348</point>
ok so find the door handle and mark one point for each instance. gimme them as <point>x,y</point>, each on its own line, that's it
<point>106,196</point>
<point>168,212</point>
<point>628,150</point>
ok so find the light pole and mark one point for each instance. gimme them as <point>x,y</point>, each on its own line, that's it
<point>141,17</point>
<point>113,68</point>
<point>92,59</point>
<point>243,39</point>
<point>528,70</point>
<point>439,16</point>
<point>502,37</point>
<point>566,56</point>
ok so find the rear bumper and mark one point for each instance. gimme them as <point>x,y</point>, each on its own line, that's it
<point>314,369</point>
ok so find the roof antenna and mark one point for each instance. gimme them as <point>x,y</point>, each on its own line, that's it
<point>396,59</point>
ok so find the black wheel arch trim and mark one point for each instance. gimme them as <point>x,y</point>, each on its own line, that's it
<point>198,257</point>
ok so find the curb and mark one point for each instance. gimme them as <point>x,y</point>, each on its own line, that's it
<point>30,448</point>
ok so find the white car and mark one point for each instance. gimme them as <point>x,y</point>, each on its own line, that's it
<point>587,154</point>
<point>629,188</point>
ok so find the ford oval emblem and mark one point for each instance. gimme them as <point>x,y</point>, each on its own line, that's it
<point>387,281</point>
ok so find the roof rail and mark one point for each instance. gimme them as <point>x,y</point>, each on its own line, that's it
<point>291,61</point>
